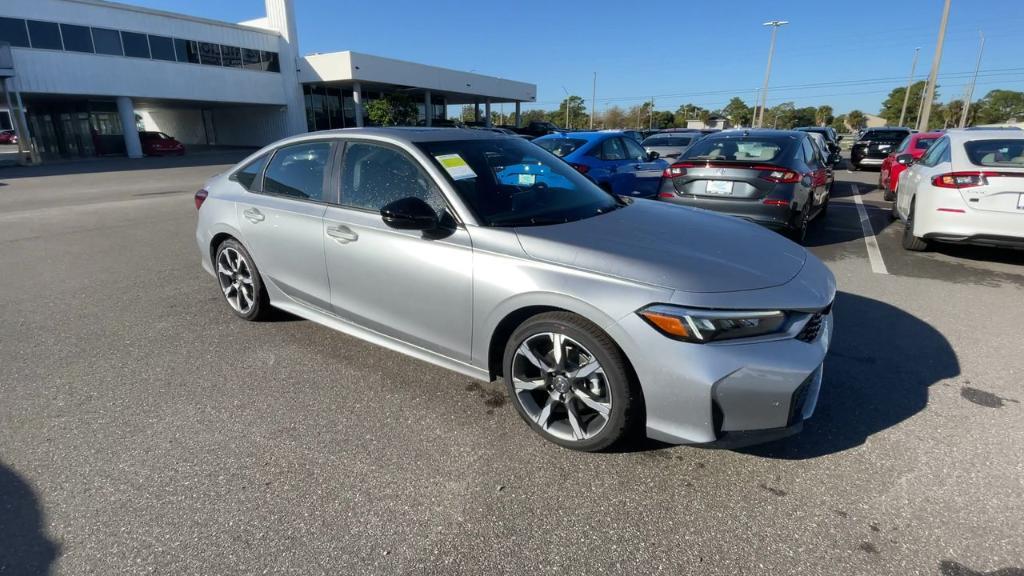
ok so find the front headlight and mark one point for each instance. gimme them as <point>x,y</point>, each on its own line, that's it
<point>700,326</point>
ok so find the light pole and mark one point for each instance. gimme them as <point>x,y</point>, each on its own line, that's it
<point>922,122</point>
<point>910,82</point>
<point>566,108</point>
<point>593,101</point>
<point>775,24</point>
<point>970,90</point>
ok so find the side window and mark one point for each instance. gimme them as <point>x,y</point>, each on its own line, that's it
<point>298,171</point>
<point>808,150</point>
<point>612,149</point>
<point>635,150</point>
<point>246,176</point>
<point>936,153</point>
<point>903,145</point>
<point>374,176</point>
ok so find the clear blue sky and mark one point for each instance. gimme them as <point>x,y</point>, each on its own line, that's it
<point>678,52</point>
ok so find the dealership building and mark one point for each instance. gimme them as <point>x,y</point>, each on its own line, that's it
<point>83,77</point>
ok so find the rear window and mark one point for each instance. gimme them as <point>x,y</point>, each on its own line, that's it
<point>996,153</point>
<point>885,135</point>
<point>738,149</point>
<point>560,146</point>
<point>924,143</point>
<point>668,141</point>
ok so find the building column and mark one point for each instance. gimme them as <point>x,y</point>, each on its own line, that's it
<point>476,112</point>
<point>519,116</point>
<point>428,109</point>
<point>487,112</point>
<point>126,110</point>
<point>357,99</point>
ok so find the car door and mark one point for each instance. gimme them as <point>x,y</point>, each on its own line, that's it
<point>406,284</point>
<point>281,221</point>
<point>920,174</point>
<point>815,179</point>
<point>646,173</point>
<point>609,165</point>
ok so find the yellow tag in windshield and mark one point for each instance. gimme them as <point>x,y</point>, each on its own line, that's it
<point>456,166</point>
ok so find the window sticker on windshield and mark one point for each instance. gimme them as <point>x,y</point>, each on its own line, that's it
<point>456,166</point>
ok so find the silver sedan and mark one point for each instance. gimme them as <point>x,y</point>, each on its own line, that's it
<point>489,256</point>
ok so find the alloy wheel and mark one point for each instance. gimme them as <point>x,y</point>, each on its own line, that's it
<point>235,277</point>
<point>561,386</point>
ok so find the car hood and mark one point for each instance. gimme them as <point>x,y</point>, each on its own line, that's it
<point>675,247</point>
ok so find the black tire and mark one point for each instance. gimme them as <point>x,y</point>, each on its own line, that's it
<point>798,233</point>
<point>911,242</point>
<point>888,195</point>
<point>893,213</point>
<point>260,303</point>
<point>626,401</point>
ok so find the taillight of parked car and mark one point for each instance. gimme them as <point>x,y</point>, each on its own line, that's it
<point>581,168</point>
<point>200,198</point>
<point>674,171</point>
<point>779,175</point>
<point>962,179</point>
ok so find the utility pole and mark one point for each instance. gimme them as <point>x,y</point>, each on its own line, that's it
<point>910,82</point>
<point>970,90</point>
<point>651,125</point>
<point>593,101</point>
<point>775,24</point>
<point>753,116</point>
<point>922,122</point>
<point>567,127</point>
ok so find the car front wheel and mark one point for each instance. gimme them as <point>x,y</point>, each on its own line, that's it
<point>240,281</point>
<point>570,382</point>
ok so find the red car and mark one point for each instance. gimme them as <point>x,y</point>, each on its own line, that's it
<point>915,145</point>
<point>8,137</point>
<point>159,144</point>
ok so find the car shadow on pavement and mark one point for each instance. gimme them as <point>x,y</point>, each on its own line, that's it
<point>25,549</point>
<point>877,374</point>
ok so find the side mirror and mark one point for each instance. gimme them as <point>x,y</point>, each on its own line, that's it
<point>653,155</point>
<point>409,214</point>
<point>839,138</point>
<point>905,159</point>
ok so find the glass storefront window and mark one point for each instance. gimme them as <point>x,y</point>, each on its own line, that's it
<point>107,41</point>
<point>44,35</point>
<point>76,38</point>
<point>232,56</point>
<point>135,45</point>
<point>14,32</point>
<point>162,48</point>
<point>209,54</point>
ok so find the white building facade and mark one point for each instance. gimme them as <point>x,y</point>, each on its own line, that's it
<point>89,74</point>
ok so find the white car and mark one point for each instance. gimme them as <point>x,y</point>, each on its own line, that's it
<point>967,189</point>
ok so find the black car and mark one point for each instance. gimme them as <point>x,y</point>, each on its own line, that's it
<point>776,178</point>
<point>831,138</point>
<point>874,145</point>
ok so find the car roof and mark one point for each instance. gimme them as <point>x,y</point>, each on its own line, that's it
<point>409,135</point>
<point>771,132</point>
<point>588,136</point>
<point>966,135</point>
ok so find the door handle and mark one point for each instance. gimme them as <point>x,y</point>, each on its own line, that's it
<point>253,215</point>
<point>342,234</point>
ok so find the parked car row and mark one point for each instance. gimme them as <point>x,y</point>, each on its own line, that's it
<point>604,315</point>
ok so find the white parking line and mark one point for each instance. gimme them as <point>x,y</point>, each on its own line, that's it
<point>874,254</point>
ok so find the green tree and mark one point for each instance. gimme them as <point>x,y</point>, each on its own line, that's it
<point>856,120</point>
<point>781,116</point>
<point>392,110</point>
<point>951,113</point>
<point>823,115</point>
<point>535,115</point>
<point>573,109</point>
<point>687,112</point>
<point>664,119</point>
<point>738,113</point>
<point>1001,106</point>
<point>893,104</point>
<point>613,117</point>
<point>839,123</point>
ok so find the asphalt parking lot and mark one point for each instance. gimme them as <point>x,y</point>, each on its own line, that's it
<point>145,429</point>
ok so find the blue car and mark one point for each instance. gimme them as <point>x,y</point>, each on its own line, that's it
<point>615,161</point>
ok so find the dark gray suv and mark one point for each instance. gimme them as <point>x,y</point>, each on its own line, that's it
<point>776,178</point>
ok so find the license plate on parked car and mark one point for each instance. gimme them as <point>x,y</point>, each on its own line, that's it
<point>723,187</point>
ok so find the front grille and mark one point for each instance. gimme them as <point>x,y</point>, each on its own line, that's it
<point>813,326</point>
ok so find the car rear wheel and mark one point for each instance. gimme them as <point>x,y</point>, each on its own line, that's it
<point>799,232</point>
<point>240,281</point>
<point>570,382</point>
<point>911,242</point>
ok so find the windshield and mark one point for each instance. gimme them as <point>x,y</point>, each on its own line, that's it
<point>751,149</point>
<point>560,146</point>
<point>996,153</point>
<point>514,183</point>
<point>885,135</point>
<point>668,141</point>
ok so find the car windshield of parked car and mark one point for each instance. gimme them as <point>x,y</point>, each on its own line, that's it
<point>668,141</point>
<point>924,143</point>
<point>155,136</point>
<point>748,149</point>
<point>560,146</point>
<point>511,182</point>
<point>996,153</point>
<point>885,135</point>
